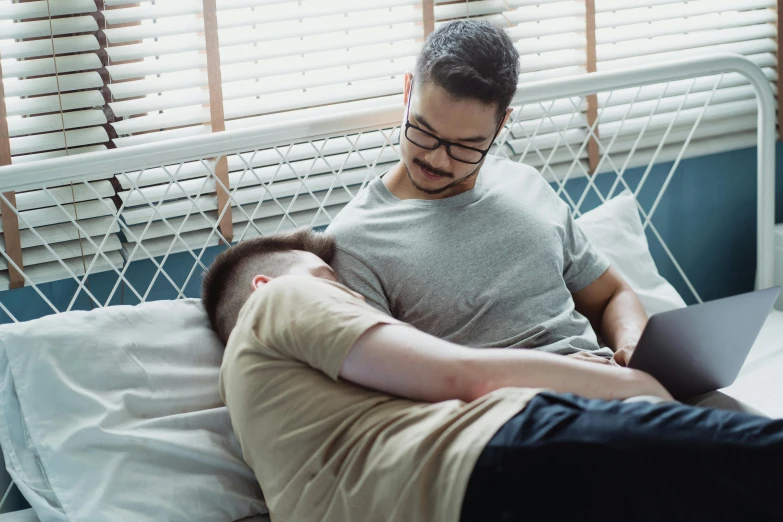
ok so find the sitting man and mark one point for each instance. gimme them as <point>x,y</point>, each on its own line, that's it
<point>471,247</point>
<point>347,414</point>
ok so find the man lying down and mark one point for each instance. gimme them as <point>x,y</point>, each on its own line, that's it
<point>346,414</point>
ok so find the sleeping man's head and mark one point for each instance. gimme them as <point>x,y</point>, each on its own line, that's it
<point>237,272</point>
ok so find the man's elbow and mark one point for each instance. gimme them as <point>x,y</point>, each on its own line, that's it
<point>448,377</point>
<point>467,379</point>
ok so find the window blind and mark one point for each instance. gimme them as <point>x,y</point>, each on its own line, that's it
<point>275,57</point>
<point>51,72</point>
<point>81,75</point>
<point>551,39</point>
<point>633,32</point>
<point>129,73</point>
<point>47,63</point>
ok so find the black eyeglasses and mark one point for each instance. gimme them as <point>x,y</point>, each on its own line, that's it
<point>429,141</point>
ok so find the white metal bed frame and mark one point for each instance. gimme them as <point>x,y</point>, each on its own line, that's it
<point>165,161</point>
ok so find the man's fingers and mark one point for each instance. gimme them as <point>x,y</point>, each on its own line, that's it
<point>621,358</point>
<point>589,357</point>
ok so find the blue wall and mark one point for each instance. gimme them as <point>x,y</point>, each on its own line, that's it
<point>707,218</point>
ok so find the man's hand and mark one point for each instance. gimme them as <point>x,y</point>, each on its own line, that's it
<point>623,355</point>
<point>589,357</point>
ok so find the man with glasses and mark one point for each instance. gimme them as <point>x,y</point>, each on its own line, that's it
<point>473,248</point>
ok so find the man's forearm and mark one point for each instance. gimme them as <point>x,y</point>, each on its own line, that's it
<point>613,310</point>
<point>623,319</point>
<point>406,362</point>
<point>499,368</point>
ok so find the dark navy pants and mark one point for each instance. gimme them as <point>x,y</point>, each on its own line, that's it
<point>567,458</point>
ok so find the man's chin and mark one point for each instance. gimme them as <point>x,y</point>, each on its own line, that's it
<point>426,185</point>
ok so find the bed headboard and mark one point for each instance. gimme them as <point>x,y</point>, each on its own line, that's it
<point>139,223</point>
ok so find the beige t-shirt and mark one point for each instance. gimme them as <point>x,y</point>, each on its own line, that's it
<point>326,450</point>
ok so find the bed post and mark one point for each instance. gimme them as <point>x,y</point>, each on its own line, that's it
<point>13,247</point>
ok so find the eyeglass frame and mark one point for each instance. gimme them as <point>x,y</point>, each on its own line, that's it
<point>441,141</point>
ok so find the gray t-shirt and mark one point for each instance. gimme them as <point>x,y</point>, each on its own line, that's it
<point>494,266</point>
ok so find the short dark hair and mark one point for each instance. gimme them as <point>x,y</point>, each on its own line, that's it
<point>471,59</point>
<point>226,284</point>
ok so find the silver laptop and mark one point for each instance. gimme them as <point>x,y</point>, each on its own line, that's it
<point>703,347</point>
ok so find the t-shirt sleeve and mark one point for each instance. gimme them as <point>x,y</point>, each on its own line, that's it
<point>357,275</point>
<point>313,321</point>
<point>582,262</point>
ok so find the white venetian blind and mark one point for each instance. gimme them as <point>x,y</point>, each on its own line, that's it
<point>298,58</point>
<point>50,64</point>
<point>276,57</point>
<point>81,75</point>
<point>54,105</point>
<point>632,32</point>
<point>551,38</point>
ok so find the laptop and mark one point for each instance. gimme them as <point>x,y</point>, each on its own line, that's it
<point>702,348</point>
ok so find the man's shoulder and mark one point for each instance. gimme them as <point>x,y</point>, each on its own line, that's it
<point>504,170</point>
<point>518,184</point>
<point>349,220</point>
<point>362,220</point>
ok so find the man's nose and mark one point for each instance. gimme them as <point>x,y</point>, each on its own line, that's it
<point>439,158</point>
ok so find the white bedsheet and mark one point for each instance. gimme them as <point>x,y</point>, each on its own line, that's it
<point>28,515</point>
<point>760,384</point>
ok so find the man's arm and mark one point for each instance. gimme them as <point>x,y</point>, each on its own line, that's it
<point>614,311</point>
<point>403,361</point>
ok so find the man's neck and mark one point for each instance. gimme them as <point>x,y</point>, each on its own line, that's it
<point>401,187</point>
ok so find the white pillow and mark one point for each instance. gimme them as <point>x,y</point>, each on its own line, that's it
<point>615,228</point>
<point>122,409</point>
<point>21,458</point>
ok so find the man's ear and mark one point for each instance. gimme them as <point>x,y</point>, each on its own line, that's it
<point>408,78</point>
<point>505,119</point>
<point>259,281</point>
